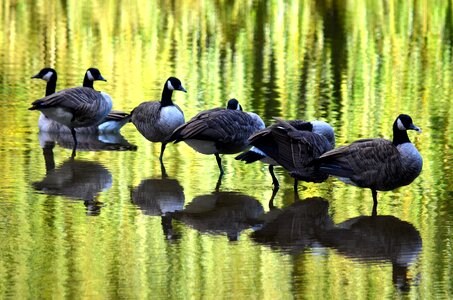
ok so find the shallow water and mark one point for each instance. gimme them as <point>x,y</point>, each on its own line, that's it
<point>99,226</point>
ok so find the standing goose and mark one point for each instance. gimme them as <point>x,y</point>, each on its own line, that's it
<point>377,164</point>
<point>219,131</point>
<point>292,144</point>
<point>156,120</point>
<point>114,121</point>
<point>77,107</point>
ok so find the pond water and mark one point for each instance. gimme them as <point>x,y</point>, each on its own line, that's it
<point>98,227</point>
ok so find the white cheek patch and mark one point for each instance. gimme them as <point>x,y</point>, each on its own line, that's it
<point>170,86</point>
<point>47,76</point>
<point>90,77</point>
<point>238,107</point>
<point>400,125</point>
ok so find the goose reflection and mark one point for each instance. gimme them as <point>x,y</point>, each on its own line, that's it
<point>295,227</point>
<point>87,142</point>
<point>375,239</point>
<point>75,179</point>
<point>160,197</point>
<point>221,213</point>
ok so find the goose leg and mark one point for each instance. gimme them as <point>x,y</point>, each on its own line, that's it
<point>274,193</point>
<point>375,203</point>
<point>73,132</point>
<point>163,170</point>
<point>219,163</point>
<point>162,149</point>
<point>274,179</point>
<point>296,183</point>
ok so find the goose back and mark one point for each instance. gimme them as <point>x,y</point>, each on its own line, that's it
<point>75,107</point>
<point>156,122</point>
<point>227,130</point>
<point>374,163</point>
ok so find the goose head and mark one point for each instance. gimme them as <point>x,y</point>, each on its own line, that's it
<point>46,74</point>
<point>404,122</point>
<point>174,84</point>
<point>93,74</point>
<point>234,104</point>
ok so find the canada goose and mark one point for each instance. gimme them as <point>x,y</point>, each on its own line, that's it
<point>219,131</point>
<point>156,120</point>
<point>294,145</point>
<point>377,164</point>
<point>112,123</point>
<point>77,107</point>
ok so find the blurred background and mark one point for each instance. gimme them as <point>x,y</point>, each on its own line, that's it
<point>355,64</point>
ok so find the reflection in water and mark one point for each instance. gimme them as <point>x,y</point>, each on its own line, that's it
<point>87,142</point>
<point>295,227</point>
<point>160,197</point>
<point>221,213</point>
<point>75,179</point>
<point>378,238</point>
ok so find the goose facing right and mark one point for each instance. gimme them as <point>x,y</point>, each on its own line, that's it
<point>77,107</point>
<point>112,123</point>
<point>219,131</point>
<point>377,164</point>
<point>156,120</point>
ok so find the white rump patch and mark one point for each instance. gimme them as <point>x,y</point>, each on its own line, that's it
<point>170,86</point>
<point>90,77</point>
<point>400,125</point>
<point>47,76</point>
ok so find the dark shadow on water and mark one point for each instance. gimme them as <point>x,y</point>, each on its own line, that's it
<point>87,142</point>
<point>221,213</point>
<point>160,197</point>
<point>74,179</point>
<point>365,239</point>
<point>377,239</point>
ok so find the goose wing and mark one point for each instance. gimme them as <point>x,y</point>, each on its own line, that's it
<point>146,114</point>
<point>82,102</point>
<point>363,161</point>
<point>116,115</point>
<point>220,125</point>
<point>291,148</point>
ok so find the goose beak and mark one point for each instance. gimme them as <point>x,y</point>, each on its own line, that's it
<point>182,89</point>
<point>102,78</point>
<point>413,127</point>
<point>35,76</point>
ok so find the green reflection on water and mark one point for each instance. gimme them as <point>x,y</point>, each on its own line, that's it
<point>355,64</point>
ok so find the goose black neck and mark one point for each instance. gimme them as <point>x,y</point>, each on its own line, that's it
<point>399,136</point>
<point>166,97</point>
<point>87,82</point>
<point>51,85</point>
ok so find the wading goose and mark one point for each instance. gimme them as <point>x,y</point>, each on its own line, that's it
<point>156,120</point>
<point>293,145</point>
<point>219,131</point>
<point>77,107</point>
<point>377,164</point>
<point>114,121</point>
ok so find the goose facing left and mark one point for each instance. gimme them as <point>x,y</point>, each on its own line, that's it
<point>77,107</point>
<point>112,123</point>
<point>156,120</point>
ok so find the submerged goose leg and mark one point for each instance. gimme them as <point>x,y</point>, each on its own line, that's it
<point>375,203</point>
<point>274,179</point>
<point>162,149</point>
<point>219,163</point>
<point>73,132</point>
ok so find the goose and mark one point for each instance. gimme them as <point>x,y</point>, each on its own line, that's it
<point>156,120</point>
<point>293,144</point>
<point>377,164</point>
<point>219,131</point>
<point>77,107</point>
<point>114,121</point>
